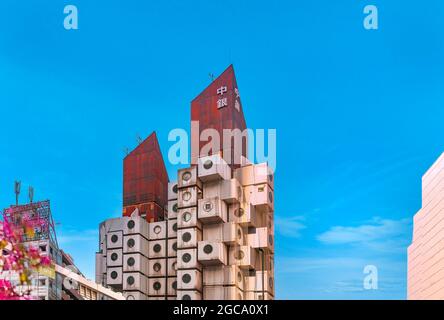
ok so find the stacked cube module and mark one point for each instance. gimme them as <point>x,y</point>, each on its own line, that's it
<point>216,244</point>
<point>210,235</point>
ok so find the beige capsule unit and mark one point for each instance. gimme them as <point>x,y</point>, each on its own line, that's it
<point>212,168</point>
<point>158,230</point>
<point>114,240</point>
<point>135,225</point>
<point>224,276</point>
<point>212,189</point>
<point>157,287</point>
<point>173,208</point>
<point>135,281</point>
<point>187,259</point>
<point>135,243</point>
<point>114,258</point>
<point>233,233</point>
<point>213,232</point>
<point>212,253</point>
<point>230,233</point>
<point>188,238</point>
<point>172,191</point>
<point>212,210</point>
<point>245,175</point>
<point>114,276</point>
<point>172,228</point>
<point>157,249</point>
<point>135,262</point>
<point>172,248</point>
<point>244,214</point>
<point>172,286</point>
<point>172,267</point>
<point>189,280</point>
<point>262,238</point>
<point>242,256</point>
<point>188,177</point>
<point>187,218</point>
<point>188,197</point>
<point>157,267</point>
<point>261,196</point>
<point>264,282</point>
<point>231,191</point>
<point>263,174</point>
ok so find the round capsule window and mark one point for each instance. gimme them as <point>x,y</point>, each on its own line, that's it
<point>130,280</point>
<point>186,257</point>
<point>208,206</point>
<point>114,238</point>
<point>131,243</point>
<point>186,176</point>
<point>186,237</point>
<point>157,285</point>
<point>270,239</point>
<point>186,278</point>
<point>131,262</point>
<point>114,275</point>
<point>208,248</point>
<point>174,265</point>
<point>239,255</point>
<point>157,267</point>
<point>131,224</point>
<point>175,188</point>
<point>186,196</point>
<point>239,212</point>
<point>186,216</point>
<point>270,282</point>
<point>175,246</point>
<point>186,297</point>
<point>130,297</point>
<point>175,209</point>
<point>157,229</point>
<point>157,247</point>
<point>114,256</point>
<point>208,164</point>
<point>175,227</point>
<point>174,285</point>
<point>270,196</point>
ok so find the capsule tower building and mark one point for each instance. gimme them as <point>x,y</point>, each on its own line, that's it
<point>207,235</point>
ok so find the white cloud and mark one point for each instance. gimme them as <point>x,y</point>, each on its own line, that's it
<point>338,277</point>
<point>290,227</point>
<point>377,234</point>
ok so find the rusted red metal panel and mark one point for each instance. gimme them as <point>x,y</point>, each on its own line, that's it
<point>219,107</point>
<point>150,210</point>
<point>145,179</point>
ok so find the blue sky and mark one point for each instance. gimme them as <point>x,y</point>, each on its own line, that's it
<point>358,115</point>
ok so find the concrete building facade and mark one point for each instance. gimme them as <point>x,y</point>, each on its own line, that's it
<point>426,253</point>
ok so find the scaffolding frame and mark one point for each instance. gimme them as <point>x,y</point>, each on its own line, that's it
<point>37,215</point>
